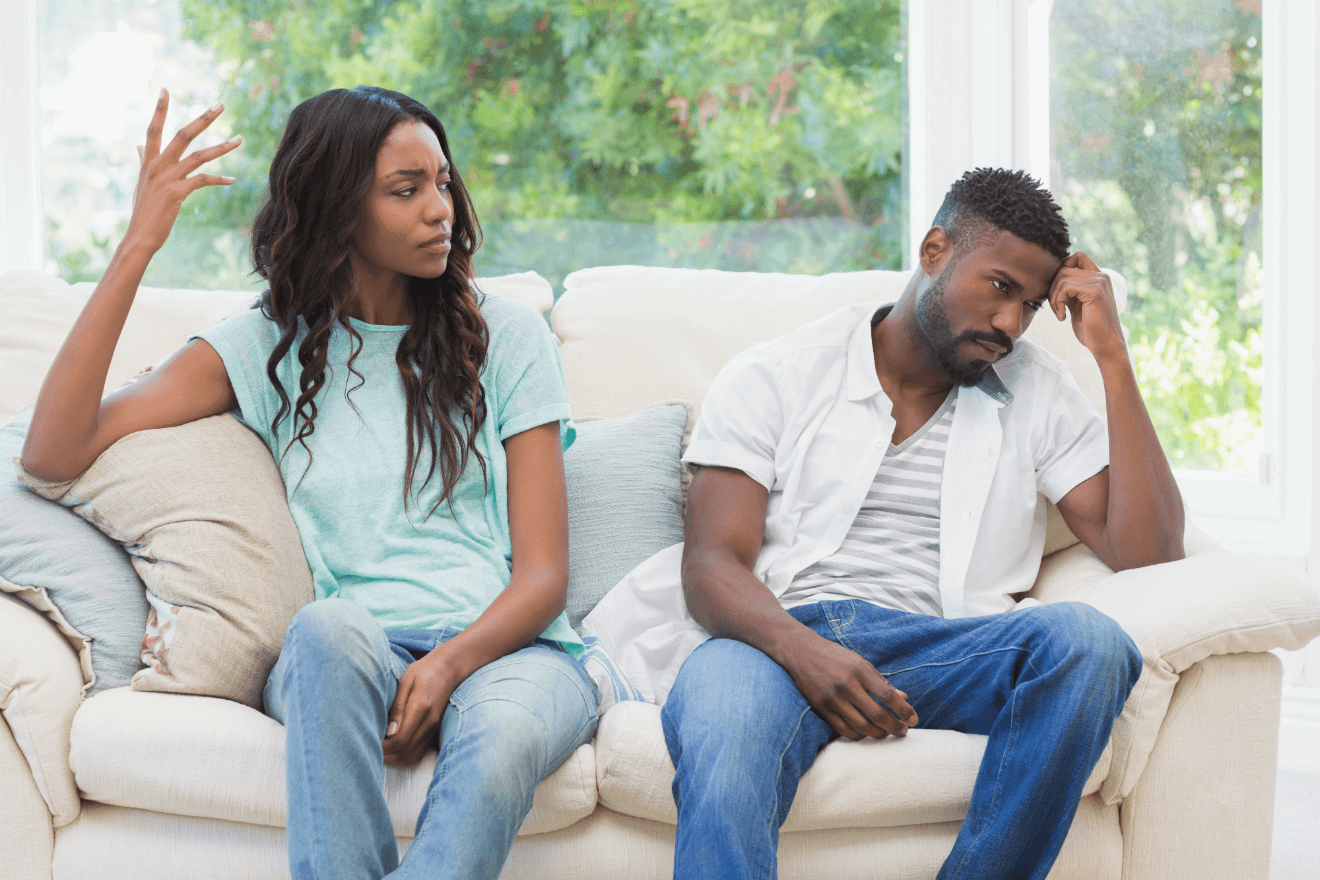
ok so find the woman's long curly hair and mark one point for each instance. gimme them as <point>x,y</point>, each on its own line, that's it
<point>319,177</point>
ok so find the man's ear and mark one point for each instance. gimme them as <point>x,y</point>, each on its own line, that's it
<point>935,250</point>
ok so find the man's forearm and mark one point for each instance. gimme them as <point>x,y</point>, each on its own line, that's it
<point>1145,519</point>
<point>731,603</point>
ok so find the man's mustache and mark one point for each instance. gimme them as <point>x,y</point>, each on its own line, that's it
<point>1000,339</point>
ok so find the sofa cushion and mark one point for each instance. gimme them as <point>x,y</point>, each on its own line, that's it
<point>40,687</point>
<point>923,778</point>
<point>65,567</point>
<point>199,756</point>
<point>201,510</point>
<point>624,499</point>
<point>1178,614</point>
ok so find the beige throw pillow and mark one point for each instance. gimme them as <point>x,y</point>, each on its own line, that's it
<point>202,512</point>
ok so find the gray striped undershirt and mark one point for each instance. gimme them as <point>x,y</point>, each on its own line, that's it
<point>891,554</point>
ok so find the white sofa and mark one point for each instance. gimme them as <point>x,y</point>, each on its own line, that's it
<point>127,784</point>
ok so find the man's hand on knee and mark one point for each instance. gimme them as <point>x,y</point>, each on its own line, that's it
<point>847,691</point>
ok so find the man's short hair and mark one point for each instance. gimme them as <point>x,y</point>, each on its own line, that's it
<point>1012,201</point>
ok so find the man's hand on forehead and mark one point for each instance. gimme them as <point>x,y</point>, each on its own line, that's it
<point>1082,290</point>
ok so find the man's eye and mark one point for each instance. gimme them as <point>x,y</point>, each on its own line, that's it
<point>1035,304</point>
<point>999,285</point>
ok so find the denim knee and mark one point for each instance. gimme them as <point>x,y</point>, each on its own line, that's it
<point>729,696</point>
<point>1096,640</point>
<point>335,632</point>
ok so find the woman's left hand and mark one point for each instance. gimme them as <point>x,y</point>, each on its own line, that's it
<point>419,704</point>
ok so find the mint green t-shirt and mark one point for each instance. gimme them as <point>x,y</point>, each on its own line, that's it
<point>410,570</point>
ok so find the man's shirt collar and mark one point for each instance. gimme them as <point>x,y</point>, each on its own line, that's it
<point>863,382</point>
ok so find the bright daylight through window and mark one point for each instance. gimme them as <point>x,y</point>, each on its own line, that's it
<point>1156,112</point>
<point>754,134</point>
<point>751,134</point>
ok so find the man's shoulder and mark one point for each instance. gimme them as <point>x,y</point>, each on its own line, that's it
<point>824,337</point>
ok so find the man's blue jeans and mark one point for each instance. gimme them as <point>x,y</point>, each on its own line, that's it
<point>506,727</point>
<point>1045,684</point>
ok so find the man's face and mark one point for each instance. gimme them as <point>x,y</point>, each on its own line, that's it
<point>981,302</point>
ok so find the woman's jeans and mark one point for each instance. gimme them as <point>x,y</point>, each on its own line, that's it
<point>1045,684</point>
<point>506,727</point>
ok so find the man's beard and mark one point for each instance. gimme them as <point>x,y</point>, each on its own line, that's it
<point>933,324</point>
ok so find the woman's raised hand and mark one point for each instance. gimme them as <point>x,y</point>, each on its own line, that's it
<point>163,182</point>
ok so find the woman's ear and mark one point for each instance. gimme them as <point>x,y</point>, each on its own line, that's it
<point>935,247</point>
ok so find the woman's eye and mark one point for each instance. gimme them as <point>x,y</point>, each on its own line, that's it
<point>444,186</point>
<point>407,191</point>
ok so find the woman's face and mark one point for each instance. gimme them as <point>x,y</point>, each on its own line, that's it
<point>404,223</point>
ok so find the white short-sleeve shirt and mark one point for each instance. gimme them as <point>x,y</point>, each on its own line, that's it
<point>805,416</point>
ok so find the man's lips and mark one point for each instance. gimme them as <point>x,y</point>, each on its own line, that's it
<point>994,348</point>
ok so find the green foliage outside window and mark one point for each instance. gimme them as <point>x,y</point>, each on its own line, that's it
<point>752,134</point>
<point>1157,138</point>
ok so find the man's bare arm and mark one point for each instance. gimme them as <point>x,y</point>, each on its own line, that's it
<point>724,529</point>
<point>1131,513</point>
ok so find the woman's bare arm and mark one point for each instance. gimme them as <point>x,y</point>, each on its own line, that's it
<point>71,425</point>
<point>535,596</point>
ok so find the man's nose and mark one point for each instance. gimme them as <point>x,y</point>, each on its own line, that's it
<point>1011,320</point>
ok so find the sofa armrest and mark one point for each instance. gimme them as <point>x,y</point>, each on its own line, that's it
<point>41,684</point>
<point>1202,809</point>
<point>1211,603</point>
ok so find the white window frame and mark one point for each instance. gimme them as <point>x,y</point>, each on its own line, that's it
<point>979,95</point>
<point>21,223</point>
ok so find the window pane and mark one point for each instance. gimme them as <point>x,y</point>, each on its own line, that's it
<point>102,65</point>
<point>752,134</point>
<point>1156,117</point>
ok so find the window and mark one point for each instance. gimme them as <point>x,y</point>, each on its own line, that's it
<point>657,132</point>
<point>743,135</point>
<point>1156,119</point>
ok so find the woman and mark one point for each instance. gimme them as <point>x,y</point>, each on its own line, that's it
<point>418,429</point>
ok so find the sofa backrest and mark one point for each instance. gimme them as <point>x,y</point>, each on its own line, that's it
<point>633,336</point>
<point>38,310</point>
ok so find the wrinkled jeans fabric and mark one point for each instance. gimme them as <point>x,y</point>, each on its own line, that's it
<point>1044,684</point>
<point>506,727</point>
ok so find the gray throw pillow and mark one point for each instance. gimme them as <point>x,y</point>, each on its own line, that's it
<point>86,575</point>
<point>625,499</point>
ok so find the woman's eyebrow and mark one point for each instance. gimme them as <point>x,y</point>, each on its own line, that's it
<point>414,172</point>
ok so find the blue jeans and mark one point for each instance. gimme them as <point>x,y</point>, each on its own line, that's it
<point>506,727</point>
<point>1045,684</point>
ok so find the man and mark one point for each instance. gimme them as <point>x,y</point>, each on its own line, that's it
<point>865,503</point>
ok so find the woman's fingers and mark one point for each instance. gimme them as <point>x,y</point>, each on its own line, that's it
<point>199,158</point>
<point>184,136</point>
<point>154,128</point>
<point>197,181</point>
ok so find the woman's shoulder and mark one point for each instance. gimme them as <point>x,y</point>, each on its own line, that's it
<point>506,316</point>
<point>250,332</point>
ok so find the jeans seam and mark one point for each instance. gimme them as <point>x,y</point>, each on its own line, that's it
<point>442,768</point>
<point>888,672</point>
<point>779,772</point>
<point>836,625</point>
<point>999,775</point>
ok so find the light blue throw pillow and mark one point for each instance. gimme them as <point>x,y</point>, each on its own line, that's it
<point>625,499</point>
<point>87,575</point>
